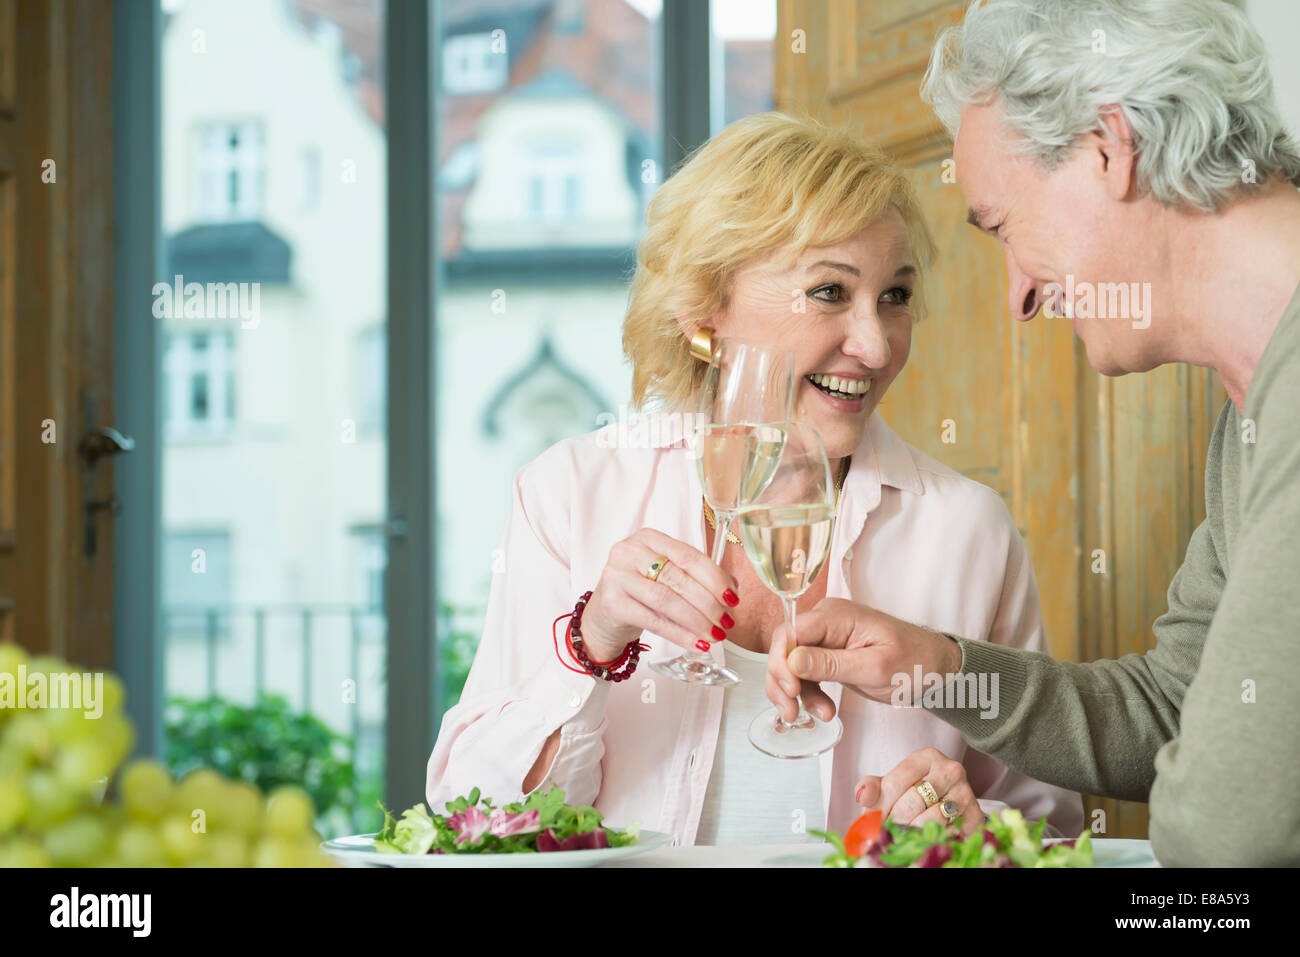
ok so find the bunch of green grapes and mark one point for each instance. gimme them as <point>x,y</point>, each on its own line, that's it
<point>55,765</point>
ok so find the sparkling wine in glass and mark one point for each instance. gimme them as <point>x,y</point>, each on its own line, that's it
<point>786,530</point>
<point>747,384</point>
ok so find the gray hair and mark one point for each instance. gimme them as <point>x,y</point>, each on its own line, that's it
<point>1191,77</point>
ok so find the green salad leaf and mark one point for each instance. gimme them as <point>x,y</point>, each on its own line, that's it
<point>1005,840</point>
<point>467,828</point>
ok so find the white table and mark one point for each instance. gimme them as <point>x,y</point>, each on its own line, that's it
<point>1107,852</point>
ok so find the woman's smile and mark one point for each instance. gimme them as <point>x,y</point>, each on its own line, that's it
<point>844,393</point>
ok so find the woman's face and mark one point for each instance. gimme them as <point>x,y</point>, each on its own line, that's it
<point>843,312</point>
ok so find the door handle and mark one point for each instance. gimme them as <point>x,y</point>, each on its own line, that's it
<point>101,441</point>
<point>97,443</point>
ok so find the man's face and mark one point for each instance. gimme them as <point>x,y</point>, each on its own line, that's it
<point>1063,227</point>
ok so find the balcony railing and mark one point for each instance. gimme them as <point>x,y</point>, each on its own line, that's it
<point>238,651</point>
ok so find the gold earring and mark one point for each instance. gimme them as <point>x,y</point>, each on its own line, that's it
<point>702,344</point>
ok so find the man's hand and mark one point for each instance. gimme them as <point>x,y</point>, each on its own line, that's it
<point>861,648</point>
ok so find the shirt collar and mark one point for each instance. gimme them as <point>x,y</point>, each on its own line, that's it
<point>880,459</point>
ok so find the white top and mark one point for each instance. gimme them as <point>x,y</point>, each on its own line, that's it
<point>752,797</point>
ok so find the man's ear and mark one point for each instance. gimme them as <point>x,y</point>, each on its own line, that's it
<point>1116,160</point>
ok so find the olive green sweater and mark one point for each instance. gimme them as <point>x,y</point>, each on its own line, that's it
<point>1206,725</point>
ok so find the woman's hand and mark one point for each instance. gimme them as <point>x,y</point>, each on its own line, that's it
<point>686,604</point>
<point>897,795</point>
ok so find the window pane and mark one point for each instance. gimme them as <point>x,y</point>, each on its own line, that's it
<point>744,30</point>
<point>274,232</point>
<point>542,193</point>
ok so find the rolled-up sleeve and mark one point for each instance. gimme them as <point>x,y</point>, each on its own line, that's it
<point>518,692</point>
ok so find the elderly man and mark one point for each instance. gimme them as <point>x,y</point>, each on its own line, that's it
<point>1104,141</point>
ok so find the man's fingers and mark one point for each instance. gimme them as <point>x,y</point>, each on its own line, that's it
<point>819,664</point>
<point>817,701</point>
<point>777,667</point>
<point>786,703</point>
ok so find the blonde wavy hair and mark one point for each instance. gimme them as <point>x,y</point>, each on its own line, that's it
<point>767,182</point>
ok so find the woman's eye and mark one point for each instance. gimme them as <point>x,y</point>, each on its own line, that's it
<point>834,292</point>
<point>899,295</point>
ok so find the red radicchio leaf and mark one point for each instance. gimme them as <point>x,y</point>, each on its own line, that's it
<point>935,856</point>
<point>591,841</point>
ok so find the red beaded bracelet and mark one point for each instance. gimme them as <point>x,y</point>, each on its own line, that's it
<point>608,670</point>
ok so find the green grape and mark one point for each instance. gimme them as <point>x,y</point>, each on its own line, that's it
<point>179,842</point>
<point>146,790</point>
<point>289,813</point>
<point>23,852</point>
<point>49,799</point>
<point>69,725</point>
<point>203,790</point>
<point>29,736</point>
<point>139,845</point>
<point>224,850</point>
<point>314,856</point>
<point>81,764</point>
<point>78,842</point>
<point>13,803</point>
<point>11,656</point>
<point>244,808</point>
<point>279,853</point>
<point>114,695</point>
<point>116,737</point>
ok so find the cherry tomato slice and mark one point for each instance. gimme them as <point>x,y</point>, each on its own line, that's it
<point>863,831</point>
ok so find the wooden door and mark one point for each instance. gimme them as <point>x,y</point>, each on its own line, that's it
<point>1085,463</point>
<point>56,176</point>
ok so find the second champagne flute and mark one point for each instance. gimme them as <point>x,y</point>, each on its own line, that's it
<point>786,527</point>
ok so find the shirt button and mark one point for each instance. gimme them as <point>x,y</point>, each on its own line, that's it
<point>690,762</point>
<point>575,699</point>
<point>848,555</point>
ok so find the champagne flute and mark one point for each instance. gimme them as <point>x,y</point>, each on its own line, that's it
<point>747,383</point>
<point>786,530</point>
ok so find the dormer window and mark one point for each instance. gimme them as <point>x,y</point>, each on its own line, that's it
<point>230,161</point>
<point>471,65</point>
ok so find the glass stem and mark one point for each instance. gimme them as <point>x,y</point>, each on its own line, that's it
<point>723,520</point>
<point>802,718</point>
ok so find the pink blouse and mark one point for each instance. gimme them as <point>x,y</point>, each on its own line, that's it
<point>912,538</point>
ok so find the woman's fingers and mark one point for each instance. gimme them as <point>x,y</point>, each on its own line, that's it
<point>692,561</point>
<point>668,614</point>
<point>968,809</point>
<point>899,797</point>
<point>678,580</point>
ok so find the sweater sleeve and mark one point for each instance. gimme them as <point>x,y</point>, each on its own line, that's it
<point>517,692</point>
<point>1096,727</point>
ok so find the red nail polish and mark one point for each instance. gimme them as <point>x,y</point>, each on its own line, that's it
<point>702,645</point>
<point>719,634</point>
<point>728,621</point>
<point>731,598</point>
<point>857,795</point>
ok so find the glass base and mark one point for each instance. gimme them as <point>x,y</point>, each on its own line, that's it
<point>771,735</point>
<point>697,672</point>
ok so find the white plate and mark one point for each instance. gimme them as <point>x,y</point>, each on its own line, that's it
<point>359,851</point>
<point>1106,852</point>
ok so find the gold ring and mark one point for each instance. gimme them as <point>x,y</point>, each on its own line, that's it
<point>948,808</point>
<point>928,794</point>
<point>656,567</point>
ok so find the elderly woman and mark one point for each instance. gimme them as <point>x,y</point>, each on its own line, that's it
<point>783,231</point>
